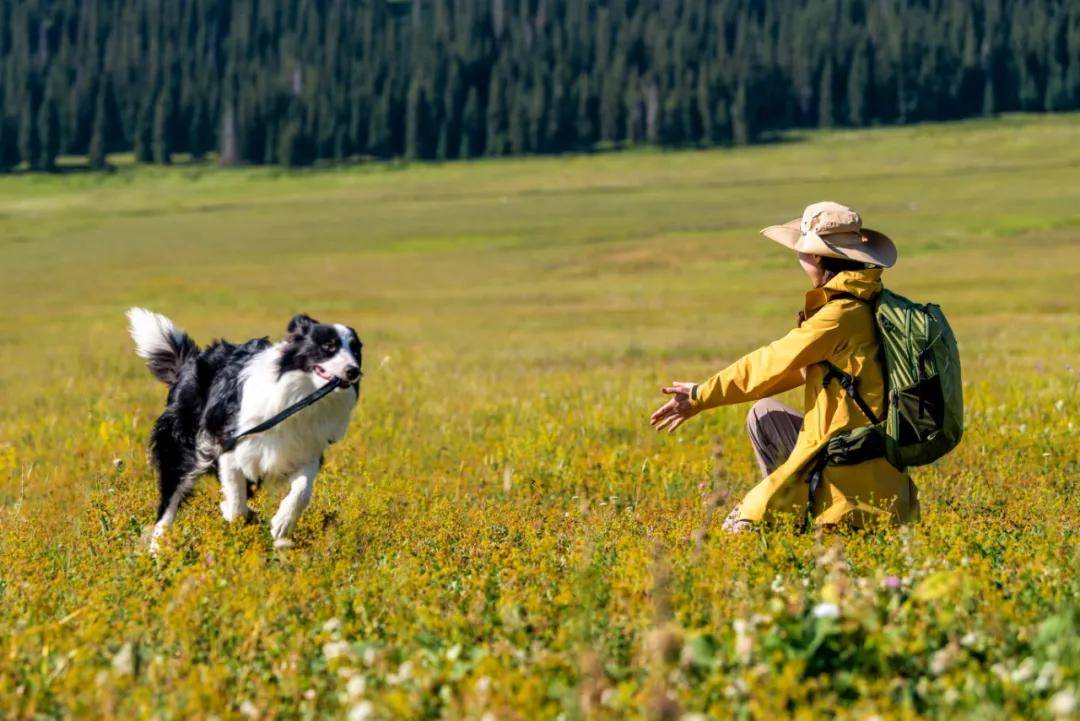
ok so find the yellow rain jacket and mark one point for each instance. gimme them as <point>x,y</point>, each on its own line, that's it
<point>840,330</point>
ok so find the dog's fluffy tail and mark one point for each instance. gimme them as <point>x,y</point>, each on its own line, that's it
<point>164,346</point>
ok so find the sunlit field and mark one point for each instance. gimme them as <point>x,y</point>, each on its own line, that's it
<point>501,535</point>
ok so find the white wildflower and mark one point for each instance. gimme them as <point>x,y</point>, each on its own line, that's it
<point>454,652</point>
<point>1063,704</point>
<point>744,643</point>
<point>248,709</point>
<point>826,610</point>
<point>123,662</point>
<point>1048,676</point>
<point>1024,671</point>
<point>361,711</point>
<point>403,674</point>
<point>942,660</point>
<point>356,687</point>
<point>336,649</point>
<point>333,625</point>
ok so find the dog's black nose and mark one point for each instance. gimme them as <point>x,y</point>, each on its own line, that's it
<point>352,372</point>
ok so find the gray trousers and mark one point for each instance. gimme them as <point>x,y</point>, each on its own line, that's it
<point>773,428</point>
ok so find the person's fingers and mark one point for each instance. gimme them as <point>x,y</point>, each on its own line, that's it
<point>670,390</point>
<point>661,411</point>
<point>671,422</point>
<point>662,419</point>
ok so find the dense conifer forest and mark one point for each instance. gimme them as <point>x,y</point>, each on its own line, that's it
<point>295,81</point>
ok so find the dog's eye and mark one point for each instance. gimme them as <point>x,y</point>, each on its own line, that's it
<point>328,347</point>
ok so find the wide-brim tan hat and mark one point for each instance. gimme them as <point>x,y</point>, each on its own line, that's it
<point>835,231</point>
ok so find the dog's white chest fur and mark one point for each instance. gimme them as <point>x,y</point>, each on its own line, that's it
<point>296,441</point>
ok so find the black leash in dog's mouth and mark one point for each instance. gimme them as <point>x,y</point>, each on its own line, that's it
<point>330,387</point>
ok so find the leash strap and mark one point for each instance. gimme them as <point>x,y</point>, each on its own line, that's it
<point>230,443</point>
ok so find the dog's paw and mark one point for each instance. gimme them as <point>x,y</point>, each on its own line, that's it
<point>283,543</point>
<point>232,513</point>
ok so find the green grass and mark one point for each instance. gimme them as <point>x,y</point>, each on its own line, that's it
<point>500,532</point>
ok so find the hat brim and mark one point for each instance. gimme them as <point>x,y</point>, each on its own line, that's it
<point>866,246</point>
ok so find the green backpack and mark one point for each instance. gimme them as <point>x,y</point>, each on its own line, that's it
<point>924,416</point>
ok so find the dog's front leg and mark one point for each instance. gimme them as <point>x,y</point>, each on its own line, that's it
<point>301,485</point>
<point>233,489</point>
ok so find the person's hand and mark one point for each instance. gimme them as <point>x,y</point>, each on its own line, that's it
<point>672,414</point>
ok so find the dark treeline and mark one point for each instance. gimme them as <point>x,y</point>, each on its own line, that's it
<point>293,81</point>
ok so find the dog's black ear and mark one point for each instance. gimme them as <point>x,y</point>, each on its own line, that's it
<point>301,324</point>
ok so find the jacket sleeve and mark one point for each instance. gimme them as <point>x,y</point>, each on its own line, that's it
<point>776,367</point>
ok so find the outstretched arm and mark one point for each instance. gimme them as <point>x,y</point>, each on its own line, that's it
<point>769,370</point>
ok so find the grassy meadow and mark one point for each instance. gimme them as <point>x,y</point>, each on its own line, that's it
<point>501,535</point>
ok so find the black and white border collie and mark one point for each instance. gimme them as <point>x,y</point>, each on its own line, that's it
<point>226,389</point>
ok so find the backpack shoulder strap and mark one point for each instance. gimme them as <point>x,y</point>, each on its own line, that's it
<point>848,383</point>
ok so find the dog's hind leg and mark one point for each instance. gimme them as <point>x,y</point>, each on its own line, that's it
<point>301,484</point>
<point>233,489</point>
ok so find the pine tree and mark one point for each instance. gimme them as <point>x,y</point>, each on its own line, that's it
<point>144,131</point>
<point>705,107</point>
<point>294,149</point>
<point>100,133</point>
<point>496,125</point>
<point>988,104</point>
<point>9,146</point>
<point>28,138</point>
<point>415,115</point>
<point>471,126</point>
<point>200,132</point>
<point>229,151</point>
<point>858,79</point>
<point>380,137</point>
<point>163,142</point>
<point>825,96</point>
<point>518,129</point>
<point>48,134</point>
<point>611,104</point>
<point>741,129</point>
<point>583,125</point>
